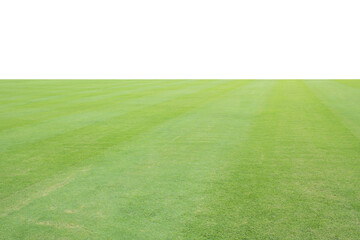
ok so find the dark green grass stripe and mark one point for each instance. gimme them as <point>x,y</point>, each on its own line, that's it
<point>73,147</point>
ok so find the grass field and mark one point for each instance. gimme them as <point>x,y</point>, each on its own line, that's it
<point>180,159</point>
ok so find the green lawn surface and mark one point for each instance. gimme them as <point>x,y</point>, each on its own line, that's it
<point>179,159</point>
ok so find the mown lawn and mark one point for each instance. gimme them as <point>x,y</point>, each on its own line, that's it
<point>179,159</point>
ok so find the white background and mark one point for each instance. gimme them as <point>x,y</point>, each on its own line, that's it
<point>179,39</point>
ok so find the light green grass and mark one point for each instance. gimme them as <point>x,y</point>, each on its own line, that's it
<point>199,159</point>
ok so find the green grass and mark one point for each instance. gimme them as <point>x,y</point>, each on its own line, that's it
<point>196,159</point>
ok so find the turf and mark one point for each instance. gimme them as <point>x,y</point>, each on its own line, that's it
<point>180,159</point>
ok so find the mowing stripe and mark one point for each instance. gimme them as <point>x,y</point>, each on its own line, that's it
<point>98,135</point>
<point>69,106</point>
